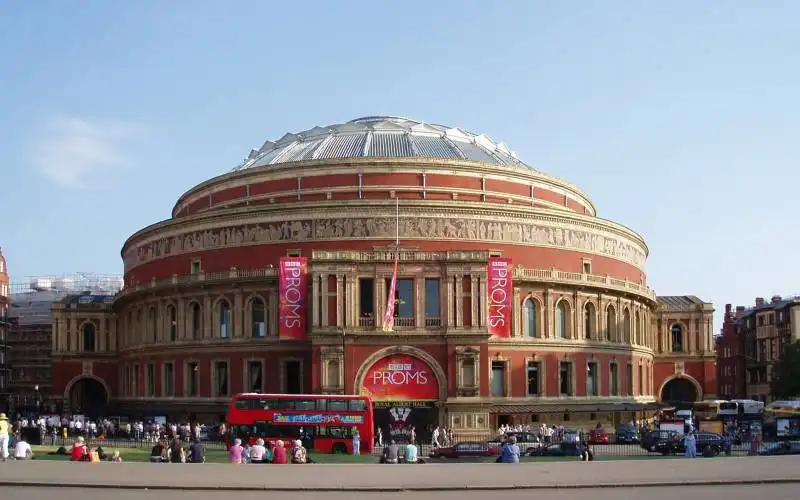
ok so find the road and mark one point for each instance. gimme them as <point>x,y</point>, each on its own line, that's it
<point>773,492</point>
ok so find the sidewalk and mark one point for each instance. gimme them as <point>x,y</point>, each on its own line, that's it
<point>368,477</point>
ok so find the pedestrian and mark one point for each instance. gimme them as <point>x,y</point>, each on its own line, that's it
<point>356,442</point>
<point>690,444</point>
<point>3,437</point>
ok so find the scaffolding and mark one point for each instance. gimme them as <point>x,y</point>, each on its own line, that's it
<point>32,298</point>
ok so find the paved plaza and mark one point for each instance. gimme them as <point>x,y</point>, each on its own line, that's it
<point>355,477</point>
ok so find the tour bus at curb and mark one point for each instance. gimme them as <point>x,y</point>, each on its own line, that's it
<point>325,423</point>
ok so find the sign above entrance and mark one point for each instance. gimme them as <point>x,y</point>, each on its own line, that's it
<point>500,291</point>
<point>292,295</point>
<point>400,377</point>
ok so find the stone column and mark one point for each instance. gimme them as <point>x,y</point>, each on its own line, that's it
<point>548,324</point>
<point>577,319</point>
<point>238,324</point>
<point>419,302</point>
<point>483,309</point>
<point>475,294</point>
<point>450,317</point>
<point>324,293</point>
<point>207,318</point>
<point>340,297</point>
<point>516,315</point>
<point>100,338</point>
<point>380,300</point>
<point>459,284</point>
<point>315,300</point>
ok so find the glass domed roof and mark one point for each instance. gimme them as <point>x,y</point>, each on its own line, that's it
<point>381,137</point>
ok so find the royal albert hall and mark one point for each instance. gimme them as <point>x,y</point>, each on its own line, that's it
<point>513,301</point>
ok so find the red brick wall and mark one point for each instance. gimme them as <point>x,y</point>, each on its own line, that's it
<point>704,372</point>
<point>64,371</point>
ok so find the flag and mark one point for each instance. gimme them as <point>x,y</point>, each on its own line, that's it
<point>388,319</point>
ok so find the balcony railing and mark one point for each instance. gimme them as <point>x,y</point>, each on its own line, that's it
<point>553,276</point>
<point>433,322</point>
<point>366,322</point>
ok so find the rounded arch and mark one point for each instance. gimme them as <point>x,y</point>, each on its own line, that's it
<point>194,319</point>
<point>589,320</point>
<point>677,336</point>
<point>441,377</point>
<point>87,340</point>
<point>563,318</point>
<point>683,378</point>
<point>256,315</point>
<point>611,323</point>
<point>626,325</point>
<point>531,312</point>
<point>77,380</point>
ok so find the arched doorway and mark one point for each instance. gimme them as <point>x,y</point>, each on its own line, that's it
<point>679,389</point>
<point>406,386</point>
<point>88,395</point>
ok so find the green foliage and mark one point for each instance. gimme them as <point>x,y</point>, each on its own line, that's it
<point>786,373</point>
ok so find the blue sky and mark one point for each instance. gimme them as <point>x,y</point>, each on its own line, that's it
<point>680,119</point>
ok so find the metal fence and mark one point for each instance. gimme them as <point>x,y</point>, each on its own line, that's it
<point>530,445</point>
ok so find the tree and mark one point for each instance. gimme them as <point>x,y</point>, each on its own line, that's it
<point>786,373</point>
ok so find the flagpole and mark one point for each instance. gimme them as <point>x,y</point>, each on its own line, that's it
<point>397,222</point>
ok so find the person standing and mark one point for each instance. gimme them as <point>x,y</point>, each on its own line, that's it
<point>690,444</point>
<point>356,442</point>
<point>509,453</point>
<point>3,437</point>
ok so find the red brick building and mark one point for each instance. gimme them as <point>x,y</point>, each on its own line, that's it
<point>575,331</point>
<point>730,357</point>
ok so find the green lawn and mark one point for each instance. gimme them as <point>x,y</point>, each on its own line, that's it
<point>212,456</point>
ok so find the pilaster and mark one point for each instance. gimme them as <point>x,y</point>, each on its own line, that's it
<point>474,294</point>
<point>516,314</point>
<point>451,320</point>
<point>459,284</point>
<point>483,309</point>
<point>315,300</point>
<point>238,323</point>
<point>340,297</point>
<point>419,301</point>
<point>207,330</point>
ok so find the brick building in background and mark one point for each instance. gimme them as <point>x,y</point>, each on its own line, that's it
<point>582,336</point>
<point>751,344</point>
<point>5,354</point>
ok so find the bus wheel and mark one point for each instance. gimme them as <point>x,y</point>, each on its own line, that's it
<point>339,448</point>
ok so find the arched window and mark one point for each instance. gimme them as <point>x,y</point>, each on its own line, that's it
<point>562,319</point>
<point>589,321</point>
<point>529,318</point>
<point>153,327</point>
<point>677,338</point>
<point>637,329</point>
<point>611,323</point>
<point>224,319</point>
<point>196,319</point>
<point>88,337</point>
<point>258,314</point>
<point>626,326</point>
<point>172,317</point>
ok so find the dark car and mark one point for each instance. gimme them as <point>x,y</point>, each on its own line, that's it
<point>676,446</point>
<point>784,448</point>
<point>558,450</point>
<point>467,449</point>
<point>627,434</point>
<point>654,441</point>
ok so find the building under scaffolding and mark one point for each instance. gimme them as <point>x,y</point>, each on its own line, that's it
<point>31,331</point>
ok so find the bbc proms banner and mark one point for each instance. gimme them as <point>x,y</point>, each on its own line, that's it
<point>500,296</point>
<point>293,297</point>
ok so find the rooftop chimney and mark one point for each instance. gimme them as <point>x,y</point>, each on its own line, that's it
<point>728,308</point>
<point>776,299</point>
<point>739,311</point>
<point>759,301</point>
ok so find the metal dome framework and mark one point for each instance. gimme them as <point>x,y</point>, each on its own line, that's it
<point>384,137</point>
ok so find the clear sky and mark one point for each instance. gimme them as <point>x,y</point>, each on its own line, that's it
<point>680,119</point>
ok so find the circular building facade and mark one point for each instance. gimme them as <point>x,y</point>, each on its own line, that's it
<point>512,299</point>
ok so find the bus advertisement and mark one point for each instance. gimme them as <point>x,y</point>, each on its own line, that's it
<point>323,423</point>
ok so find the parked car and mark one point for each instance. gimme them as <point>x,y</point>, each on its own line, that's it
<point>467,449</point>
<point>627,434</point>
<point>654,441</point>
<point>676,446</point>
<point>598,436</point>
<point>527,441</point>
<point>557,450</point>
<point>783,448</point>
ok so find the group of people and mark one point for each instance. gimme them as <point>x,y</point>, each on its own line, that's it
<point>81,452</point>
<point>271,452</point>
<point>173,451</point>
<point>395,453</point>
<point>22,449</point>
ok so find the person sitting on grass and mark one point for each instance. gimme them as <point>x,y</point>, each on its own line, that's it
<point>257,452</point>
<point>158,455</point>
<point>236,453</point>
<point>176,453</point>
<point>115,457</point>
<point>22,450</point>
<point>509,454</point>
<point>80,452</point>
<point>299,453</point>
<point>279,453</point>
<point>196,453</point>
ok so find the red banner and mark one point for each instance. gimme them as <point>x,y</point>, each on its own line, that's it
<point>391,300</point>
<point>292,298</point>
<point>500,293</point>
<point>400,377</point>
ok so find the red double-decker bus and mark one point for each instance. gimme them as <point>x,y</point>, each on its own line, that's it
<point>323,423</point>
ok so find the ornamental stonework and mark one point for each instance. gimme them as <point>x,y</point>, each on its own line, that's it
<point>542,233</point>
